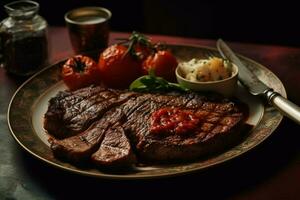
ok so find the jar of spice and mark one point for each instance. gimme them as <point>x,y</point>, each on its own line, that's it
<point>23,39</point>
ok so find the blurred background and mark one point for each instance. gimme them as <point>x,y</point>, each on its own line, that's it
<point>245,21</point>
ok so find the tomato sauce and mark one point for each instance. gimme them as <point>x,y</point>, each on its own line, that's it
<point>174,121</point>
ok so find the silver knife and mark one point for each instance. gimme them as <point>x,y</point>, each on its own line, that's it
<point>256,87</point>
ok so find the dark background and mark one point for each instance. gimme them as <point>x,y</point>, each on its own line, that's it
<point>244,21</point>
<point>270,171</point>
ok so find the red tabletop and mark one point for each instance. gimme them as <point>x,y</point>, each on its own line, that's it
<point>270,171</point>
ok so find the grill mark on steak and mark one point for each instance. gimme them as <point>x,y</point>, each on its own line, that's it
<point>138,123</point>
<point>58,110</point>
<point>213,114</point>
<point>115,149</point>
<point>80,96</point>
<point>143,128</point>
<point>83,105</point>
<point>135,107</point>
<point>135,120</point>
<point>208,138</point>
<point>134,104</point>
<point>83,119</point>
<point>80,147</point>
<point>65,100</point>
<point>57,124</point>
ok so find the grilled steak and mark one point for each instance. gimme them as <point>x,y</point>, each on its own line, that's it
<point>80,147</point>
<point>73,112</point>
<point>159,127</point>
<point>216,127</point>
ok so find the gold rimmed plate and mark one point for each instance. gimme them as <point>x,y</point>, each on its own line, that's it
<point>29,104</point>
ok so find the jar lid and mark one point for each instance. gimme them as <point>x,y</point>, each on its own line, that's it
<point>22,9</point>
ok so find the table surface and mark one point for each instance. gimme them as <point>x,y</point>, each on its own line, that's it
<point>269,171</point>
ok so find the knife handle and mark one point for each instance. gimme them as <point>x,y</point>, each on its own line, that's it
<point>285,106</point>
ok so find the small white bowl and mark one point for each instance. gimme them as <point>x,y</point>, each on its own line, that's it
<point>225,87</point>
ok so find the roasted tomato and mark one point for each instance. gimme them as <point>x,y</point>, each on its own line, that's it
<point>164,64</point>
<point>80,71</point>
<point>118,68</point>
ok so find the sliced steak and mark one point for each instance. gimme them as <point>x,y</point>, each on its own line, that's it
<point>64,119</point>
<point>60,108</point>
<point>115,150</point>
<point>80,147</point>
<point>95,121</point>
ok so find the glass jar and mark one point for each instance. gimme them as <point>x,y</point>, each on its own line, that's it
<point>23,39</point>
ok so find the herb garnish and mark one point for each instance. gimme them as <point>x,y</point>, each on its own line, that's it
<point>151,82</point>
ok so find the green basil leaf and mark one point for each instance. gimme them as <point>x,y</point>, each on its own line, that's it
<point>148,81</point>
<point>137,83</point>
<point>151,82</point>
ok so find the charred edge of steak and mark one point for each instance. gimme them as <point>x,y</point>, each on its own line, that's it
<point>180,154</point>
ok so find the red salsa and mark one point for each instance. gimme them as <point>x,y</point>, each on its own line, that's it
<point>173,121</point>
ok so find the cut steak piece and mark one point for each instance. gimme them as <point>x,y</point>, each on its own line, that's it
<point>115,150</point>
<point>80,147</point>
<point>64,119</point>
<point>60,108</point>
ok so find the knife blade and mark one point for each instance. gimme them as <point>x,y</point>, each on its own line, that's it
<point>257,87</point>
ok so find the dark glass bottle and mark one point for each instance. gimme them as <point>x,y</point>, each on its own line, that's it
<point>23,39</point>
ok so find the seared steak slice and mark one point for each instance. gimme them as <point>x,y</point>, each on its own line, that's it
<point>64,119</point>
<point>60,108</point>
<point>115,149</point>
<point>81,146</point>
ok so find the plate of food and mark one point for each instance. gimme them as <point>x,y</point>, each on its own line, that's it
<point>124,116</point>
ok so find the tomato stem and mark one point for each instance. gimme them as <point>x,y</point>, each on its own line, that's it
<point>137,38</point>
<point>79,66</point>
